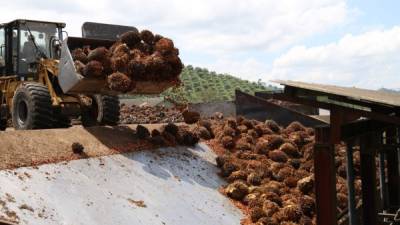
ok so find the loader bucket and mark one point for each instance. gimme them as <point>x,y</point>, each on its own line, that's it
<point>71,82</point>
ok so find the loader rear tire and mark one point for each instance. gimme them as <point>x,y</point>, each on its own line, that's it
<point>3,116</point>
<point>103,111</point>
<point>61,121</point>
<point>32,107</point>
<point>3,124</point>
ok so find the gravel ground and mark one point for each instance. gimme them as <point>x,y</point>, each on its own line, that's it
<point>149,114</point>
<point>35,147</point>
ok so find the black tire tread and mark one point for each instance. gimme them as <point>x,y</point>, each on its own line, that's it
<point>41,111</point>
<point>61,121</point>
<point>109,105</point>
<point>111,110</point>
<point>3,124</point>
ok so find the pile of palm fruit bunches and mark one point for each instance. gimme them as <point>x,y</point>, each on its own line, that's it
<point>136,56</point>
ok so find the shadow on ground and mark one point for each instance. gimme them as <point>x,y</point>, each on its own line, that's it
<point>185,164</point>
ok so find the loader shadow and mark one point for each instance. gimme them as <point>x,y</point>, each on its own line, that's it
<point>181,163</point>
<point>118,138</point>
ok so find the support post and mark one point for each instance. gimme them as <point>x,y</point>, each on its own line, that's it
<point>382,175</point>
<point>350,183</point>
<point>325,177</point>
<point>393,175</point>
<point>368,177</point>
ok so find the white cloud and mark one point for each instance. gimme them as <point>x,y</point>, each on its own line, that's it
<point>369,60</point>
<point>220,27</point>
<point>248,69</point>
<point>259,25</point>
<point>232,36</point>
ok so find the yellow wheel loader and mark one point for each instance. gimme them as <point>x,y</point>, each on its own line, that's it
<point>40,87</point>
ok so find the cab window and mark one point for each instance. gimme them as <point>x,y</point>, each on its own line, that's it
<point>34,40</point>
<point>2,48</point>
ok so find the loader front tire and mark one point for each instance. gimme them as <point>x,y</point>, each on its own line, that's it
<point>103,111</point>
<point>32,107</point>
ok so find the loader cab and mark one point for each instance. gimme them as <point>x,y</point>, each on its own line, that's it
<point>24,42</point>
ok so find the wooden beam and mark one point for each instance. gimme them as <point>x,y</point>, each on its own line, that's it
<point>337,118</point>
<point>377,107</point>
<point>393,175</point>
<point>325,177</point>
<point>353,220</point>
<point>357,128</point>
<point>368,177</point>
<point>329,106</point>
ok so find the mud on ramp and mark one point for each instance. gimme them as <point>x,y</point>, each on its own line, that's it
<point>36,147</point>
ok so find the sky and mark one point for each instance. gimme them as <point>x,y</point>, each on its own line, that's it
<point>340,42</point>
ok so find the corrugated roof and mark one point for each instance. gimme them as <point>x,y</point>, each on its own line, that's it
<point>364,95</point>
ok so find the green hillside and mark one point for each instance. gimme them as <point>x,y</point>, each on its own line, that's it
<point>201,85</point>
<point>394,91</point>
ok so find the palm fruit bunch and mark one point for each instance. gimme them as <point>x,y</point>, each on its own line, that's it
<point>134,57</point>
<point>270,169</point>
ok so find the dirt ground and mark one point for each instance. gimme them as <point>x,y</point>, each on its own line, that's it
<point>36,147</point>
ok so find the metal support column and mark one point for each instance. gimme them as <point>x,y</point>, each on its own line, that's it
<point>382,174</point>
<point>350,184</point>
<point>368,177</point>
<point>325,177</point>
<point>393,173</point>
<point>382,181</point>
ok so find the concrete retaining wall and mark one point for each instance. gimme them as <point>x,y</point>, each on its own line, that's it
<point>209,108</point>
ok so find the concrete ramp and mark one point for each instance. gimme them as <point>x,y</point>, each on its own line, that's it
<point>163,186</point>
